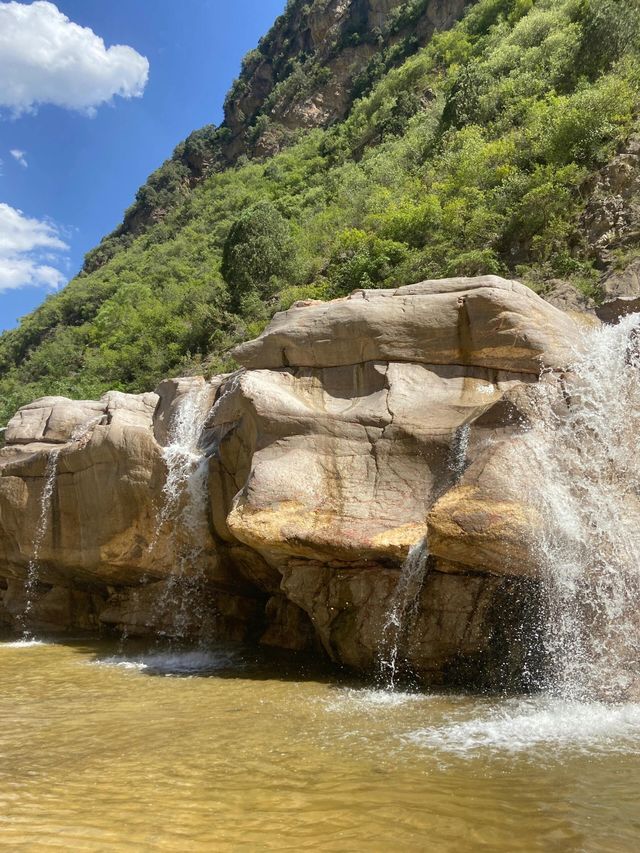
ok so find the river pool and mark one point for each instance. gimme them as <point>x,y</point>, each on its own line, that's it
<point>143,749</point>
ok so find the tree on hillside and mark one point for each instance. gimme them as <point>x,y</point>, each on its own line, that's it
<point>256,253</point>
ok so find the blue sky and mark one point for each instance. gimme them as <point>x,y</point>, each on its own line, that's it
<point>71,174</point>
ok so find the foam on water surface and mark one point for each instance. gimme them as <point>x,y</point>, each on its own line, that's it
<point>23,644</point>
<point>532,725</point>
<point>368,700</point>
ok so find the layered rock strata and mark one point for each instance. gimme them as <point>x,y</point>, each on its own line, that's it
<point>353,430</point>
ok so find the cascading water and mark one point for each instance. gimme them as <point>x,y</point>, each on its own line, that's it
<point>405,601</point>
<point>402,611</point>
<point>459,450</point>
<point>33,569</point>
<point>586,442</point>
<point>184,507</point>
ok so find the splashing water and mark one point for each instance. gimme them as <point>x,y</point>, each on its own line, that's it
<point>184,507</point>
<point>180,663</point>
<point>24,643</point>
<point>458,451</point>
<point>33,569</point>
<point>586,445</point>
<point>401,613</point>
<point>533,726</point>
<point>405,602</point>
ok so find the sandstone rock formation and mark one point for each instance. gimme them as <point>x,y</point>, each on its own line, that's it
<point>100,531</point>
<point>611,222</point>
<point>107,466</point>
<point>485,322</point>
<point>354,429</point>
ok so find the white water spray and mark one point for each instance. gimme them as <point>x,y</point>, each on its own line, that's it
<point>586,445</point>
<point>402,611</point>
<point>184,507</point>
<point>33,569</point>
<point>406,597</point>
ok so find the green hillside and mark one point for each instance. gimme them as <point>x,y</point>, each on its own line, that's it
<point>473,155</point>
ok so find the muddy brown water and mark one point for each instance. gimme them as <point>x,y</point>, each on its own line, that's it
<point>102,750</point>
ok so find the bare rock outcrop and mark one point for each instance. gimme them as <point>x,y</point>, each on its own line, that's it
<point>104,464</point>
<point>81,498</point>
<point>483,322</point>
<point>611,224</point>
<point>280,89</point>
<point>352,419</point>
<point>621,290</point>
<point>354,429</point>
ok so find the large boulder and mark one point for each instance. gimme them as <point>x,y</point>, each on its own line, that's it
<point>352,419</point>
<point>80,487</point>
<point>54,420</point>
<point>480,322</point>
<point>84,523</point>
<point>343,463</point>
<point>355,429</point>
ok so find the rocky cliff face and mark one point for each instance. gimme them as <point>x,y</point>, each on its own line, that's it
<point>304,72</point>
<point>356,429</point>
<point>612,224</point>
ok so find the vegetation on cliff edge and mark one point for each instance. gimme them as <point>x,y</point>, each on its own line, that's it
<point>470,157</point>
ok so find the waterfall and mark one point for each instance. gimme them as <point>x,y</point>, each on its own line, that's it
<point>402,610</point>
<point>586,445</point>
<point>33,568</point>
<point>184,507</point>
<point>458,451</point>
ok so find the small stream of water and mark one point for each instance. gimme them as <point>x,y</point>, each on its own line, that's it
<point>33,569</point>
<point>402,610</point>
<point>405,602</point>
<point>184,508</point>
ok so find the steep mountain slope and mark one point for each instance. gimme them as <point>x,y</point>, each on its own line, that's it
<point>504,145</point>
<point>304,73</point>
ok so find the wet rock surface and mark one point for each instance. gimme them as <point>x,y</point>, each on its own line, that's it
<point>354,429</point>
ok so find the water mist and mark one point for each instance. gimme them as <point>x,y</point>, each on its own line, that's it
<point>184,508</point>
<point>586,446</point>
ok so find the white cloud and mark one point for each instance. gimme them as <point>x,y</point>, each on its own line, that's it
<point>20,156</point>
<point>25,247</point>
<point>47,59</point>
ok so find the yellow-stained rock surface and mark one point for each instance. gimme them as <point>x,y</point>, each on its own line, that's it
<point>355,428</point>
